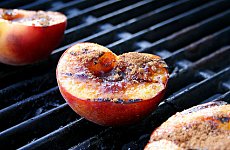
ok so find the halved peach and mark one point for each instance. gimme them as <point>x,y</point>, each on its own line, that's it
<point>108,89</point>
<point>29,36</point>
<point>205,126</point>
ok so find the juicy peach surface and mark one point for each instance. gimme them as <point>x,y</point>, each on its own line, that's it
<point>109,89</point>
<point>29,36</point>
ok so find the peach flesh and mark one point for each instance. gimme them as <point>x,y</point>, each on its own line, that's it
<point>105,108</point>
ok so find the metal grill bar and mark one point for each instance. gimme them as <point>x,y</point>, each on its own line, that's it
<point>220,39</point>
<point>190,73</point>
<point>34,128</point>
<point>120,15</point>
<point>14,74</point>
<point>56,137</point>
<point>14,3</point>
<point>41,4</point>
<point>220,59</point>
<point>85,30</point>
<point>81,4</point>
<point>12,94</point>
<point>96,10</point>
<point>187,35</point>
<point>193,97</point>
<point>171,25</point>
<point>158,15</point>
<point>18,112</point>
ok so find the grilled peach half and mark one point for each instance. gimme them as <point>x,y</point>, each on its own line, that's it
<point>205,126</point>
<point>29,36</point>
<point>111,90</point>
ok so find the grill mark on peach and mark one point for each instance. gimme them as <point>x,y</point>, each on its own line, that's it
<point>68,74</point>
<point>224,119</point>
<point>113,87</point>
<point>116,100</point>
<point>82,76</point>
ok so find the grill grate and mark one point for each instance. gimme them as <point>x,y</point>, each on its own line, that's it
<point>193,37</point>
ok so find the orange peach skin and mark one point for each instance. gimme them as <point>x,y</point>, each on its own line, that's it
<point>22,44</point>
<point>111,113</point>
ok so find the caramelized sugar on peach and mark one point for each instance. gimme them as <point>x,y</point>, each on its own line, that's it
<point>104,63</point>
<point>91,71</point>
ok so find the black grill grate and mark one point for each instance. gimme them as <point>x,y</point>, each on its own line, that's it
<point>193,36</point>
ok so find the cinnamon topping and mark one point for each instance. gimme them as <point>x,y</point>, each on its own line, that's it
<point>208,128</point>
<point>115,75</point>
<point>86,55</point>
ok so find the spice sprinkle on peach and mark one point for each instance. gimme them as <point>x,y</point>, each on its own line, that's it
<point>109,89</point>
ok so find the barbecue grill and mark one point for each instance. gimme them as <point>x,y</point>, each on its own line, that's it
<point>193,36</point>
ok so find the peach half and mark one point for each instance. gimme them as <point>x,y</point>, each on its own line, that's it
<point>29,36</point>
<point>111,90</point>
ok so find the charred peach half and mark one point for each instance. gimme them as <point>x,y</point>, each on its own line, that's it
<point>29,36</point>
<point>108,89</point>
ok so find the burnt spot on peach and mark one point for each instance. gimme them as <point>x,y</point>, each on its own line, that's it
<point>116,100</point>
